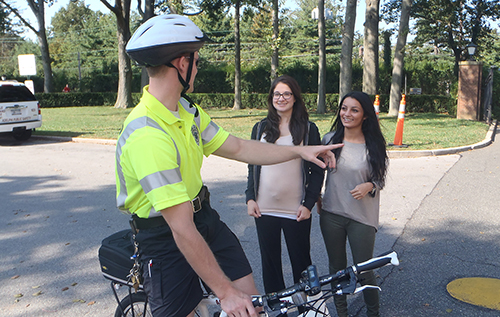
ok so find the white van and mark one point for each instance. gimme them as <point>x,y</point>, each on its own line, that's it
<point>19,110</point>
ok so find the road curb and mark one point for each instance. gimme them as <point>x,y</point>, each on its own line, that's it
<point>76,140</point>
<point>490,137</point>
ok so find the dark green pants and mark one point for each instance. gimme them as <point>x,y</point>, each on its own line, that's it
<point>336,231</point>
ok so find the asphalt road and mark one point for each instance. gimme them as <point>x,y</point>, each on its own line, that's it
<point>58,203</point>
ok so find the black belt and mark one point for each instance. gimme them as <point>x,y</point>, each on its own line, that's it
<point>148,223</point>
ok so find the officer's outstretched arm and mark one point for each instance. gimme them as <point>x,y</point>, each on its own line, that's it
<point>260,153</point>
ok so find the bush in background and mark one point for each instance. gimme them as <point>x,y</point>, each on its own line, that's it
<point>414,103</point>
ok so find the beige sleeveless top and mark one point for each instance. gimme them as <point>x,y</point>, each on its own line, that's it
<point>281,185</point>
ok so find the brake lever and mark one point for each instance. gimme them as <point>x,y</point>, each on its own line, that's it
<point>273,307</point>
<point>362,288</point>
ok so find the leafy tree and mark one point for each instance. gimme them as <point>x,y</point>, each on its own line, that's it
<point>303,29</point>
<point>449,25</point>
<point>81,42</point>
<point>213,7</point>
<point>6,25</point>
<point>38,8</point>
<point>491,52</point>
<point>9,39</point>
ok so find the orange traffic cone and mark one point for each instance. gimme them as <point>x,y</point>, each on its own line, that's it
<point>398,138</point>
<point>376,105</point>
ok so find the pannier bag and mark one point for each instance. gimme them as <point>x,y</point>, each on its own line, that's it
<point>115,256</point>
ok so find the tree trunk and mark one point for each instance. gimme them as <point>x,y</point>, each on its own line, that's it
<point>322,58</point>
<point>345,80</point>
<point>237,57</point>
<point>38,9</point>
<point>397,70</point>
<point>276,34</point>
<point>149,6</point>
<point>124,96</point>
<point>46,60</point>
<point>370,49</point>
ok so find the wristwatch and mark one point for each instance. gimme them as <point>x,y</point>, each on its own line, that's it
<point>374,189</point>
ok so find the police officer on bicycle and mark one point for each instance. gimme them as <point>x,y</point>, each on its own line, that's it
<point>158,161</point>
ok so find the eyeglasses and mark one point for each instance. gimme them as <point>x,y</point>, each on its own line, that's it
<point>286,95</point>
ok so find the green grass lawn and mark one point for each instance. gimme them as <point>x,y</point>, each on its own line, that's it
<point>421,130</point>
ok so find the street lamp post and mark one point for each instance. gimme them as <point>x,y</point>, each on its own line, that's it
<point>469,86</point>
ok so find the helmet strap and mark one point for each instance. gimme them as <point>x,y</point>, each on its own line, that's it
<point>185,82</point>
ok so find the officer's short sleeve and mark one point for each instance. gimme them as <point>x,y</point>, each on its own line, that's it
<point>212,135</point>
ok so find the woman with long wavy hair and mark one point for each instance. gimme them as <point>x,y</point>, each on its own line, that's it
<point>350,204</point>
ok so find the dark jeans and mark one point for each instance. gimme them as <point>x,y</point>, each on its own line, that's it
<point>297,237</point>
<point>336,231</point>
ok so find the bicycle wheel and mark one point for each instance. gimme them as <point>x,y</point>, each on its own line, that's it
<point>134,305</point>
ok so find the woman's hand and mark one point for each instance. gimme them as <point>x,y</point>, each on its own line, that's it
<point>253,209</point>
<point>361,190</point>
<point>303,213</point>
<point>312,153</point>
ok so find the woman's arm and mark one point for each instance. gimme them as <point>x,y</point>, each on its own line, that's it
<point>250,191</point>
<point>316,174</point>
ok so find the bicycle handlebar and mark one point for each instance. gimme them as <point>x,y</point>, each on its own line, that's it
<point>381,260</point>
<point>311,283</point>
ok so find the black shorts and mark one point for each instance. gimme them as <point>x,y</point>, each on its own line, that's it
<point>172,286</point>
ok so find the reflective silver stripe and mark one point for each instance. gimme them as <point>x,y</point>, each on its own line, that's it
<point>134,125</point>
<point>210,131</point>
<point>160,179</point>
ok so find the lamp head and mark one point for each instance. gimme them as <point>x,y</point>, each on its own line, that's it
<point>471,50</point>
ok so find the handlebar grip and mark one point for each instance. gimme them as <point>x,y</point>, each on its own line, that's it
<point>379,261</point>
<point>313,279</point>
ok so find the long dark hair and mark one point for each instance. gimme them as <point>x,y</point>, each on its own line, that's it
<point>299,119</point>
<point>374,139</point>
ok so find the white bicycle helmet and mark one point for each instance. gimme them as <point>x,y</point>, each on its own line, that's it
<point>163,38</point>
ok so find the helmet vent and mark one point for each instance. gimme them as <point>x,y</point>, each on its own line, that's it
<point>146,30</point>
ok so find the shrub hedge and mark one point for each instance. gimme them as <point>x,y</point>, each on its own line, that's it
<point>414,103</point>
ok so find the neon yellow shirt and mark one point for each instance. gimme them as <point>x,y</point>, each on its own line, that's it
<point>159,156</point>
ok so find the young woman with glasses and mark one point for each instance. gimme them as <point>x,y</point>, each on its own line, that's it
<point>280,197</point>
